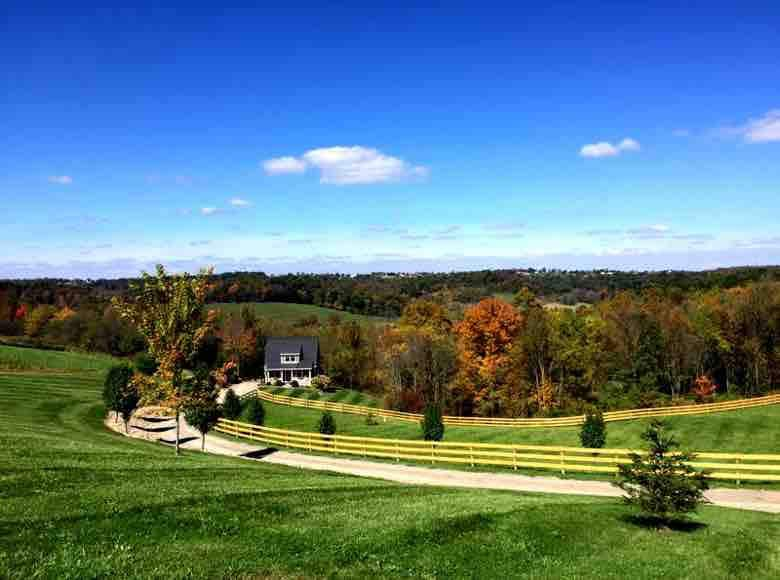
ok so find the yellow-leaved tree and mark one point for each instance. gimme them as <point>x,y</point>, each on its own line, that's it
<point>169,311</point>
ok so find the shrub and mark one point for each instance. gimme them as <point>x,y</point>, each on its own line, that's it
<point>432,424</point>
<point>321,382</point>
<point>294,384</point>
<point>593,433</point>
<point>704,389</point>
<point>255,412</point>
<point>327,424</point>
<point>661,483</point>
<point>371,419</point>
<point>117,380</point>
<point>145,364</point>
<point>231,405</point>
<point>278,383</point>
<point>202,412</point>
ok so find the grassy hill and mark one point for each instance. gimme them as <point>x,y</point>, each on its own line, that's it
<point>287,312</point>
<point>16,358</point>
<point>77,501</point>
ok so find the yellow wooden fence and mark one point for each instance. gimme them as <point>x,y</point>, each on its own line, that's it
<point>570,421</point>
<point>729,466</point>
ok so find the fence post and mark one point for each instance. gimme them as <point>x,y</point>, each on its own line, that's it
<point>397,453</point>
<point>514,458</point>
<point>738,480</point>
<point>563,463</point>
<point>471,454</point>
<point>433,452</point>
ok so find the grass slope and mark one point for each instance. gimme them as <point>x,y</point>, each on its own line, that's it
<point>286,312</point>
<point>79,502</point>
<point>749,431</point>
<point>15,358</point>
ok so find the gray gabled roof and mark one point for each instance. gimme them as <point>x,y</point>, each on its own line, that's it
<point>307,346</point>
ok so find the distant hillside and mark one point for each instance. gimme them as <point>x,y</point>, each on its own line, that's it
<point>287,312</point>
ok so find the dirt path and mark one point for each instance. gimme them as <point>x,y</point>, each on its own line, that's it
<point>156,429</point>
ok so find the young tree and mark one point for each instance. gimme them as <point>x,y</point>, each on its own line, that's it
<point>255,412</point>
<point>202,412</point>
<point>231,405</point>
<point>128,402</point>
<point>432,424</point>
<point>117,379</point>
<point>593,433</point>
<point>661,483</point>
<point>327,424</point>
<point>169,311</point>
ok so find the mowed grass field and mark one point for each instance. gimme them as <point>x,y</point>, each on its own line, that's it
<point>77,501</point>
<point>749,431</point>
<point>287,312</point>
<point>15,358</point>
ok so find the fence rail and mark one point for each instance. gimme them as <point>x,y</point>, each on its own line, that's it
<point>726,466</point>
<point>698,409</point>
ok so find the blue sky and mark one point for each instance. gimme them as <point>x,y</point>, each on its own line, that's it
<point>354,136</point>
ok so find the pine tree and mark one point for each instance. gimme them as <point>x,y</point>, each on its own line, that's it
<point>661,483</point>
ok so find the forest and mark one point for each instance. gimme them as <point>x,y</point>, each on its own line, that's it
<point>490,344</point>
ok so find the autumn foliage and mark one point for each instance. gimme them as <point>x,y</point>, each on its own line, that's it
<point>485,337</point>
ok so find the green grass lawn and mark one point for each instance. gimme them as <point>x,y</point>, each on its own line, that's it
<point>77,501</point>
<point>286,312</point>
<point>340,396</point>
<point>749,431</point>
<point>16,358</point>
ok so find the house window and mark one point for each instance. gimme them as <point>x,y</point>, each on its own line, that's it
<point>291,358</point>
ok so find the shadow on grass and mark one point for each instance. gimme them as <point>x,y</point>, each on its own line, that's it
<point>661,524</point>
<point>260,453</point>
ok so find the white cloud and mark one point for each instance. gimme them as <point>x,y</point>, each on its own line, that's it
<point>348,166</point>
<point>239,202</point>
<point>283,165</point>
<point>61,179</point>
<point>209,210</point>
<point>606,149</point>
<point>765,129</point>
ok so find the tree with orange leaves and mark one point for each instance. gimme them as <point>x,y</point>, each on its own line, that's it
<point>169,311</point>
<point>485,337</point>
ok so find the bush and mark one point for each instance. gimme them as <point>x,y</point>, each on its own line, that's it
<point>371,419</point>
<point>593,433</point>
<point>117,380</point>
<point>662,484</point>
<point>432,424</point>
<point>294,384</point>
<point>145,364</point>
<point>321,382</point>
<point>327,424</point>
<point>278,383</point>
<point>255,412</point>
<point>231,406</point>
<point>202,413</point>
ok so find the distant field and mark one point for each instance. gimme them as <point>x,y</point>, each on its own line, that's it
<point>77,501</point>
<point>15,358</point>
<point>287,312</point>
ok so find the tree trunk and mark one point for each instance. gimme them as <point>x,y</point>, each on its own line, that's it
<point>203,442</point>
<point>177,431</point>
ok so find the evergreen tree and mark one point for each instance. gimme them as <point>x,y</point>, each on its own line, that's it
<point>661,483</point>
<point>594,430</point>
<point>432,424</point>
<point>231,406</point>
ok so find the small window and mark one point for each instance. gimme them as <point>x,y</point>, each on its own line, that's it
<point>291,358</point>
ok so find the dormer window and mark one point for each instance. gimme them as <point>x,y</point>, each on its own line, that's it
<point>291,358</point>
